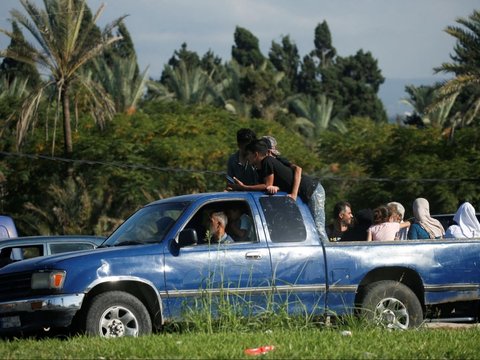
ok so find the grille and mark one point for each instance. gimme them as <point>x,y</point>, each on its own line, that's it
<point>15,285</point>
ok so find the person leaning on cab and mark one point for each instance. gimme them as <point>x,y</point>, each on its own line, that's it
<point>424,226</point>
<point>466,223</point>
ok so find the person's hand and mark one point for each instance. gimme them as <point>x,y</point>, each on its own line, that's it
<point>238,185</point>
<point>293,197</point>
<point>272,189</point>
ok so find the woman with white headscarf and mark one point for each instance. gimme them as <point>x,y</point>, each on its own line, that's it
<point>424,227</point>
<point>466,223</point>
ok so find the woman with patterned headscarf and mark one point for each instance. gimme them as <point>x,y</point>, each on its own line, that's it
<point>424,226</point>
<point>466,223</point>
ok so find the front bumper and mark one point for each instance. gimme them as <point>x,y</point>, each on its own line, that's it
<point>29,315</point>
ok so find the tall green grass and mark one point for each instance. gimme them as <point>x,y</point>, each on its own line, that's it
<point>320,343</point>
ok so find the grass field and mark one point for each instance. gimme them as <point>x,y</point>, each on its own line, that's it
<point>308,343</point>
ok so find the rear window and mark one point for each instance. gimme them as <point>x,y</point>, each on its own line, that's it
<point>66,247</point>
<point>284,220</point>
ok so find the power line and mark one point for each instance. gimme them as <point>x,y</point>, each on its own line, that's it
<point>211,172</point>
<point>111,164</point>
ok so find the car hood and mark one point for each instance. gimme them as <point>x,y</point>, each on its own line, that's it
<point>59,261</point>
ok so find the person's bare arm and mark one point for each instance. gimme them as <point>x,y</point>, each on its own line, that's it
<point>297,177</point>
<point>369,235</point>
<point>258,187</point>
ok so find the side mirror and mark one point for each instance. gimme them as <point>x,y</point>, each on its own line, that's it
<point>187,237</point>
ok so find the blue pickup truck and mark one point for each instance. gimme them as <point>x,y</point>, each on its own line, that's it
<point>160,262</point>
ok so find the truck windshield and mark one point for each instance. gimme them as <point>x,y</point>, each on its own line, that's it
<point>148,225</point>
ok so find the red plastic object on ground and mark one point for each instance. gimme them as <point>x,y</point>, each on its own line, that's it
<point>260,350</point>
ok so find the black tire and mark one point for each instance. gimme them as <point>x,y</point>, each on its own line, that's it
<point>391,304</point>
<point>117,314</point>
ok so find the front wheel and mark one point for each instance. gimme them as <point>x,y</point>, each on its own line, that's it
<point>117,314</point>
<point>392,304</point>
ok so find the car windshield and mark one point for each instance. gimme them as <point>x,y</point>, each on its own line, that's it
<point>148,225</point>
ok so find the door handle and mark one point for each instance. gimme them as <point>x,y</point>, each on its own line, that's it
<point>253,256</point>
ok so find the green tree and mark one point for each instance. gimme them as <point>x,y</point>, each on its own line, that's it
<point>246,50</point>
<point>309,79</point>
<point>12,69</point>
<point>213,66</point>
<point>314,116</point>
<point>367,167</point>
<point>421,99</point>
<point>189,58</point>
<point>70,209</point>
<point>188,85</point>
<point>465,66</point>
<point>321,57</point>
<point>185,63</point>
<point>121,49</point>
<point>286,59</point>
<point>259,88</point>
<point>64,47</point>
<point>324,50</point>
<point>121,80</point>
<point>353,83</point>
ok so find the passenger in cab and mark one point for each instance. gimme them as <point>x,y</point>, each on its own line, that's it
<point>424,226</point>
<point>240,224</point>
<point>218,225</point>
<point>466,223</point>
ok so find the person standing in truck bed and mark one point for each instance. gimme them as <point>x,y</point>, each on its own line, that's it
<point>237,165</point>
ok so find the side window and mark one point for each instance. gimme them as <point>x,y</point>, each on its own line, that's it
<point>284,220</point>
<point>32,251</point>
<point>17,253</point>
<point>66,247</point>
<point>239,225</point>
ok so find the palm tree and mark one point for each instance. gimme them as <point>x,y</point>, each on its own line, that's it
<point>66,40</point>
<point>74,210</point>
<point>122,81</point>
<point>314,116</point>
<point>188,85</point>
<point>428,109</point>
<point>465,65</point>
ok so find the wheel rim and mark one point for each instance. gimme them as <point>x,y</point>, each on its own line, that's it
<point>118,321</point>
<point>392,314</point>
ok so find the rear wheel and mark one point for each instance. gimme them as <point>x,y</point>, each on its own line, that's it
<point>392,304</point>
<point>117,314</point>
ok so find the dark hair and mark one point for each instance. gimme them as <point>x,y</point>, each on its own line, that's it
<point>339,207</point>
<point>259,146</point>
<point>245,136</point>
<point>381,214</point>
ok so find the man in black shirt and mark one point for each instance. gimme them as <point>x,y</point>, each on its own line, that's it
<point>275,176</point>
<point>237,165</point>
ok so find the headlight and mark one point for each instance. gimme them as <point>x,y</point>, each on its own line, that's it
<point>48,280</point>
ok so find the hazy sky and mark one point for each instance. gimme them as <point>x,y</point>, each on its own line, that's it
<point>405,36</point>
